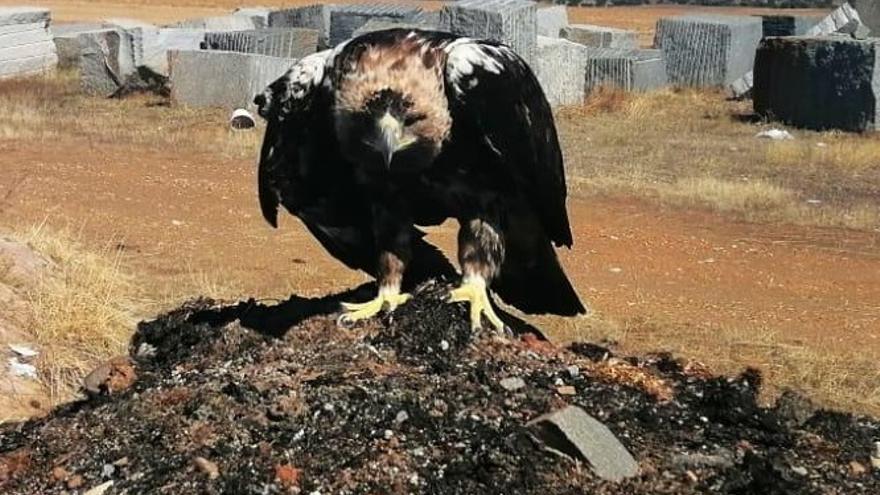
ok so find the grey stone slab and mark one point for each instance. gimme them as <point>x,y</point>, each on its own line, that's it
<point>559,66</point>
<point>381,25</point>
<point>19,28</point>
<point>218,23</point>
<point>194,74</point>
<point>631,70</point>
<point>828,82</point>
<point>157,44</point>
<point>551,20</point>
<point>346,19</point>
<point>37,34</point>
<point>23,15</point>
<point>600,36</point>
<point>106,60</point>
<point>788,25</point>
<point>274,42</point>
<point>26,48</point>
<point>708,50</point>
<point>512,22</point>
<point>27,66</point>
<point>258,15</point>
<point>869,12</point>
<point>73,28</point>
<point>575,433</point>
<point>311,17</point>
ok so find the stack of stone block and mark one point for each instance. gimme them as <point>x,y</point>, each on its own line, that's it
<point>512,22</point>
<point>708,50</point>
<point>346,19</point>
<point>310,17</point>
<point>274,42</point>
<point>824,82</point>
<point>560,66</point>
<point>195,73</point>
<point>600,36</point>
<point>630,70</point>
<point>26,45</point>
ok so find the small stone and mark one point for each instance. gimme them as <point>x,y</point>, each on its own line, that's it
<point>692,476</point>
<point>75,482</point>
<point>388,434</point>
<point>444,346</point>
<point>113,376</point>
<point>721,460</point>
<point>287,475</point>
<point>875,459</point>
<point>566,390</point>
<point>401,417</point>
<point>799,470</point>
<point>857,468</point>
<point>107,470</point>
<point>100,489</point>
<point>60,474</point>
<point>512,383</point>
<point>573,371</point>
<point>207,467</point>
<point>121,462</point>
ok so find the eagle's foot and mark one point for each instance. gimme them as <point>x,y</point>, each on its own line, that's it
<point>353,312</point>
<point>475,293</point>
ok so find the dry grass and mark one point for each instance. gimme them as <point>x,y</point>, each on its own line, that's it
<point>51,107</point>
<point>82,311</point>
<point>693,148</point>
<point>849,380</point>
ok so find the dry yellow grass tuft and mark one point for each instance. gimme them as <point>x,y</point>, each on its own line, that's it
<point>80,312</point>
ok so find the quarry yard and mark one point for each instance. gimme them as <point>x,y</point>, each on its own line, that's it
<point>693,237</point>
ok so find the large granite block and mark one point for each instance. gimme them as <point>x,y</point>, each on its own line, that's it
<point>310,17</point>
<point>559,66</point>
<point>157,44</point>
<point>274,42</point>
<point>106,60</point>
<point>194,76</point>
<point>708,50</point>
<point>26,45</point>
<point>631,70</point>
<point>829,82</point>
<point>23,15</point>
<point>600,36</point>
<point>551,20</point>
<point>512,22</point>
<point>346,19</point>
<point>379,25</point>
<point>787,25</point>
<point>869,12</point>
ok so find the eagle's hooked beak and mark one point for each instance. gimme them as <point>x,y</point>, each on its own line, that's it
<point>391,130</point>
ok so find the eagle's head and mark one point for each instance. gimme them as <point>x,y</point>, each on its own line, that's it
<point>391,111</point>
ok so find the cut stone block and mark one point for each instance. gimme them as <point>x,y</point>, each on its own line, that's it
<point>573,432</point>
<point>106,60</point>
<point>830,82</point>
<point>379,25</point>
<point>66,39</point>
<point>559,67</point>
<point>708,50</point>
<point>23,15</point>
<point>27,66</point>
<point>551,20</point>
<point>600,36</point>
<point>631,70</point>
<point>157,44</point>
<point>788,25</point>
<point>258,15</point>
<point>72,28</point>
<point>844,19</point>
<point>869,12</point>
<point>194,76</point>
<point>219,23</point>
<point>512,22</point>
<point>346,19</point>
<point>310,17</point>
<point>284,43</point>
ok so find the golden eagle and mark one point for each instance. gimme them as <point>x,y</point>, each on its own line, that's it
<point>400,128</point>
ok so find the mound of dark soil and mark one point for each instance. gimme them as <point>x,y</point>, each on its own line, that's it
<point>227,401</point>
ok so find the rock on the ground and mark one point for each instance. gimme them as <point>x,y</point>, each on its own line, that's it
<point>559,66</point>
<point>575,433</point>
<point>106,60</point>
<point>828,82</point>
<point>630,70</point>
<point>310,17</point>
<point>706,49</point>
<point>513,22</point>
<point>26,46</point>
<point>787,25</point>
<point>346,19</point>
<point>600,36</point>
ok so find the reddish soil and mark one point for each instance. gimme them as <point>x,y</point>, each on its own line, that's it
<point>186,217</point>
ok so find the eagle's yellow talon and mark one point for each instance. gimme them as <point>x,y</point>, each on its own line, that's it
<point>475,293</point>
<point>361,311</point>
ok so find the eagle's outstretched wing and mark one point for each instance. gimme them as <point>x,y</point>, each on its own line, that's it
<point>492,93</point>
<point>301,169</point>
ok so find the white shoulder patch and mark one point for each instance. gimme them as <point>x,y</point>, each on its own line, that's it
<point>465,54</point>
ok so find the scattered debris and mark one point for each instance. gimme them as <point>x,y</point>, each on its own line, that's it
<point>287,476</point>
<point>207,467</point>
<point>100,489</point>
<point>566,390</point>
<point>24,370</point>
<point>775,135</point>
<point>513,383</point>
<point>23,350</point>
<point>573,432</point>
<point>113,376</point>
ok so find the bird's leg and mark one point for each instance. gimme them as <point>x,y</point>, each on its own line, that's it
<point>394,247</point>
<point>389,297</point>
<point>480,253</point>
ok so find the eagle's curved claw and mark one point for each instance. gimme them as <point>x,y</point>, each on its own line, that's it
<point>353,312</point>
<point>475,293</point>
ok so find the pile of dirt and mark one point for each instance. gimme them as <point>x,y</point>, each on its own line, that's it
<point>227,401</point>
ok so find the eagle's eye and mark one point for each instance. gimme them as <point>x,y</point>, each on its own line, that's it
<point>414,118</point>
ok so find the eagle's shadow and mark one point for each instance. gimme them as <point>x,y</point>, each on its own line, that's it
<point>276,319</point>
